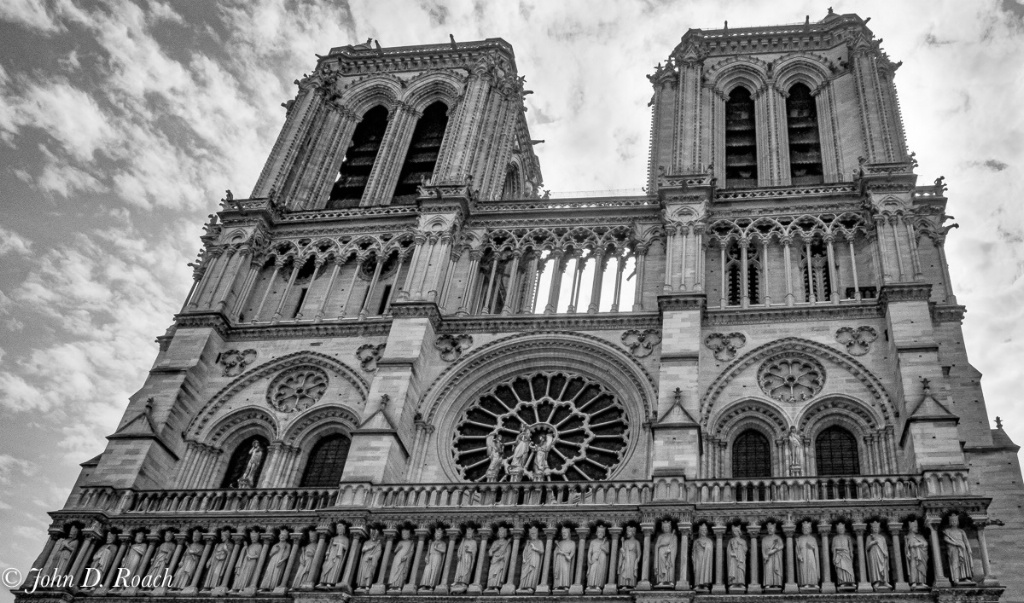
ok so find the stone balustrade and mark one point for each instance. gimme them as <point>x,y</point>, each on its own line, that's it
<point>207,501</point>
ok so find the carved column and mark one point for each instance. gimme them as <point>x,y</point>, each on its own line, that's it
<point>863,586</point>
<point>509,587</point>
<point>683,582</point>
<point>124,540</point>
<point>754,530</point>
<point>595,290</point>
<point>421,536</point>
<point>827,586</point>
<point>353,558</point>
<point>542,587</point>
<point>767,299</point>
<point>474,269</point>
<point>577,281</point>
<point>85,556</point>
<point>557,268</point>
<point>791,586</point>
<point>933,527</point>
<point>337,263</point>
<point>485,306</point>
<point>853,268</point>
<point>409,285</point>
<point>193,585</point>
<point>322,532</point>
<point>610,587</point>
<point>279,262</point>
<point>513,282</point>
<point>724,298</point>
<point>449,555</point>
<point>383,178</point>
<point>670,244</point>
<point>787,260</point>
<point>979,523</point>
<point>895,223</point>
<point>379,263</point>
<point>744,272</point>
<point>380,586</point>
<point>645,565</point>
<point>475,588</point>
<point>581,557</point>
<point>833,274</point>
<point>641,265</point>
<point>225,263</point>
<point>296,264</point>
<point>719,586</point>
<point>620,264</point>
<point>894,530</point>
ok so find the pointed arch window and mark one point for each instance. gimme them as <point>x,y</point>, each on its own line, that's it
<point>326,462</point>
<point>512,188</point>
<point>355,169</point>
<point>814,267</point>
<point>835,450</point>
<point>804,140</point>
<point>751,455</point>
<point>423,151</point>
<point>240,460</point>
<point>736,287</point>
<point>740,140</point>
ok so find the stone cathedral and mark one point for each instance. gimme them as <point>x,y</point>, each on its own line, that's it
<point>405,369</point>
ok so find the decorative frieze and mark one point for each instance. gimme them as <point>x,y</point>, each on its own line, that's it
<point>235,361</point>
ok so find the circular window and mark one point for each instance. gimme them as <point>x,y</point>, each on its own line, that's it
<point>297,389</point>
<point>548,426</point>
<point>791,377</point>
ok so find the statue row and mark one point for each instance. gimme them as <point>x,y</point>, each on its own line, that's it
<point>531,559</point>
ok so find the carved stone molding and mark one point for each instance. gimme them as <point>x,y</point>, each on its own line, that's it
<point>905,292</point>
<point>551,322</point>
<point>452,346</point>
<point>297,388</point>
<point>725,345</point>
<point>791,377</point>
<point>718,318</point>
<point>641,343</point>
<point>857,341</point>
<point>235,361</point>
<point>368,355</point>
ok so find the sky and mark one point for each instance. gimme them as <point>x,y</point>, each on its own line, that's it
<point>122,123</point>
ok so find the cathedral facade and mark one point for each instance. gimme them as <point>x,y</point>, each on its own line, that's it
<point>403,369</point>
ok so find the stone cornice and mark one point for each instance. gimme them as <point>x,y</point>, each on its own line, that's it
<point>550,322</point>
<point>807,312</point>
<point>674,302</point>
<point>903,292</point>
<point>948,313</point>
<point>416,309</point>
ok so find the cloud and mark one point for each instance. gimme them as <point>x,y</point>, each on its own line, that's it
<point>12,242</point>
<point>28,13</point>
<point>11,467</point>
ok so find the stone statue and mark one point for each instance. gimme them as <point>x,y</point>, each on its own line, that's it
<point>518,460</point>
<point>533,556</point>
<point>104,556</point>
<point>368,560</point>
<point>807,566</point>
<point>737,558</point>
<point>252,466</point>
<point>665,549</point>
<point>597,559</point>
<point>247,566</point>
<point>917,557</point>
<point>218,561</point>
<point>629,554</point>
<point>842,555</point>
<point>795,446</point>
<point>541,471</point>
<point>277,562</point>
<point>958,550</point>
<point>878,556</point>
<point>63,553</point>
<point>703,559</point>
<point>435,561</point>
<point>401,561</point>
<point>161,559</point>
<point>494,450</point>
<point>189,562</point>
<point>565,554</point>
<point>133,558</point>
<point>302,577</point>
<point>771,552</point>
<point>499,554</point>
<point>334,559</point>
<point>464,569</point>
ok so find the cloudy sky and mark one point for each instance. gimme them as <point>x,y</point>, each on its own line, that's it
<point>122,123</point>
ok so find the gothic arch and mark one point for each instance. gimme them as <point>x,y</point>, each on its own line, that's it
<point>198,424</point>
<point>741,71</point>
<point>597,359</point>
<point>382,89</point>
<point>837,410</point>
<point>317,422</point>
<point>765,416</point>
<point>239,424</point>
<point>426,88</point>
<point>882,403</point>
<point>800,68</point>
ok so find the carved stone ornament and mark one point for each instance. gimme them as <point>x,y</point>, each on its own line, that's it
<point>725,346</point>
<point>297,389</point>
<point>541,427</point>
<point>791,377</point>
<point>368,355</point>
<point>452,346</point>
<point>235,361</point>
<point>857,341</point>
<point>641,343</point>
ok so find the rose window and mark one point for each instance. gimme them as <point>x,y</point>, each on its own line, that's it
<point>549,426</point>
<point>791,377</point>
<point>297,389</point>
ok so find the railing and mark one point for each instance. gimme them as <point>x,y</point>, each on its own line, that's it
<point>487,495</point>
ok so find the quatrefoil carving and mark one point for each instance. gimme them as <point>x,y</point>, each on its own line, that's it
<point>791,377</point>
<point>641,343</point>
<point>452,346</point>
<point>857,341</point>
<point>368,355</point>
<point>725,346</point>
